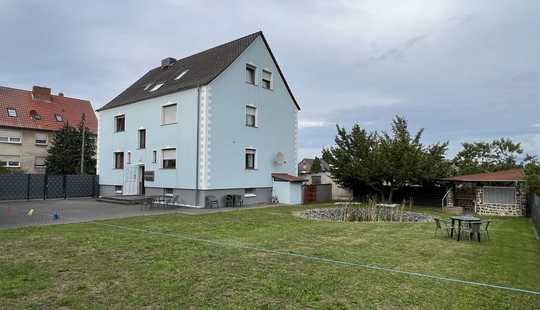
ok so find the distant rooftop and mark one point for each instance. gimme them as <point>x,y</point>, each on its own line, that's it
<point>498,176</point>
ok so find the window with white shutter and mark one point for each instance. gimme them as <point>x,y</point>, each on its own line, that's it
<point>41,139</point>
<point>168,114</point>
<point>168,158</point>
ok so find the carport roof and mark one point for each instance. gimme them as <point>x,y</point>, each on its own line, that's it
<point>513,175</point>
<point>287,177</point>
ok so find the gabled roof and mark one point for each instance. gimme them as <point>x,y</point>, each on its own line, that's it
<point>309,162</point>
<point>202,68</point>
<point>287,177</point>
<point>498,176</point>
<point>70,109</point>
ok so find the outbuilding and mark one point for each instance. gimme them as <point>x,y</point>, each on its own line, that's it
<point>494,193</point>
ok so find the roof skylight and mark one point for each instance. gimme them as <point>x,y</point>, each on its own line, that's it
<point>156,87</point>
<point>181,75</point>
<point>12,112</point>
<point>147,86</point>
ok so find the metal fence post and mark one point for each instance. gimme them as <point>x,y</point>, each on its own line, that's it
<point>64,186</point>
<point>45,185</point>
<point>28,186</point>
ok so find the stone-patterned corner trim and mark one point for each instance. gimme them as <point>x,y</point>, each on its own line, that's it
<point>295,148</point>
<point>205,136</point>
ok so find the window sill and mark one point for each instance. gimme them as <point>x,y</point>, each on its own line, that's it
<point>169,124</point>
<point>6,142</point>
<point>251,169</point>
<point>117,168</point>
<point>119,131</point>
<point>39,144</point>
<point>252,126</point>
<point>249,195</point>
<point>247,82</point>
<point>167,168</point>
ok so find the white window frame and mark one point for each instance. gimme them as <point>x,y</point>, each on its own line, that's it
<point>254,158</point>
<point>39,143</point>
<point>256,124</point>
<point>35,162</point>
<point>116,122</point>
<point>139,138</point>
<point>271,81</point>
<point>163,114</point>
<point>9,163</point>
<point>115,162</point>
<point>12,137</point>
<point>498,187</point>
<point>251,66</point>
<point>175,158</point>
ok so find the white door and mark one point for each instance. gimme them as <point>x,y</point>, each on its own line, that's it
<point>130,180</point>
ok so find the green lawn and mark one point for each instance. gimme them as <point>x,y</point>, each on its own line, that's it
<point>95,266</point>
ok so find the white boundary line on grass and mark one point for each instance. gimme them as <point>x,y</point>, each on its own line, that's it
<point>322,259</point>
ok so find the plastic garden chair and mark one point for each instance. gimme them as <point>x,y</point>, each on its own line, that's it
<point>443,225</point>
<point>472,229</point>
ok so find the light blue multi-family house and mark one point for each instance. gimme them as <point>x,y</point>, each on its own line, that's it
<point>220,122</point>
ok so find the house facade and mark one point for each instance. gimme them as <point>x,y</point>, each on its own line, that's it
<point>216,123</point>
<point>322,177</point>
<point>28,120</point>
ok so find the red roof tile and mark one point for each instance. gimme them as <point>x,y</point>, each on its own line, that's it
<point>71,110</point>
<point>287,177</point>
<point>504,175</point>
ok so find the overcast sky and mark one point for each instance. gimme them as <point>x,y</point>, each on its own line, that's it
<point>463,70</point>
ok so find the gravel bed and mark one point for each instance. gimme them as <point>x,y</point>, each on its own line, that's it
<point>361,214</point>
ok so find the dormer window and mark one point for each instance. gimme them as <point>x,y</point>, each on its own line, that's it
<point>34,115</point>
<point>156,87</point>
<point>12,112</point>
<point>181,75</point>
<point>58,118</point>
<point>250,74</point>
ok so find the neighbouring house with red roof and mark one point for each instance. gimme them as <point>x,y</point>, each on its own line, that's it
<point>493,193</point>
<point>28,120</point>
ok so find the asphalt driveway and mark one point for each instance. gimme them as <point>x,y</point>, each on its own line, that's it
<point>46,212</point>
<point>25,213</point>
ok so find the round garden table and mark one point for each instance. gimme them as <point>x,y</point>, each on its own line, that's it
<point>459,219</point>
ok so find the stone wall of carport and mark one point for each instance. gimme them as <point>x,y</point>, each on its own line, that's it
<point>518,209</point>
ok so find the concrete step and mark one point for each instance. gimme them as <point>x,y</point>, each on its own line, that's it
<point>125,200</point>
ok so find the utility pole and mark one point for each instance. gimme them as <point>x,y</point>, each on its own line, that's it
<point>82,144</point>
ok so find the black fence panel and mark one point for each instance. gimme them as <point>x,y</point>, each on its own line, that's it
<point>80,185</point>
<point>40,186</point>
<point>534,209</point>
<point>55,186</point>
<point>13,186</point>
<point>36,186</point>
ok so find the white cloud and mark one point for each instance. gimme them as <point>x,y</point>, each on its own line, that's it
<point>314,124</point>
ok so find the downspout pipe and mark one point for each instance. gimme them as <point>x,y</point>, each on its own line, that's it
<point>197,200</point>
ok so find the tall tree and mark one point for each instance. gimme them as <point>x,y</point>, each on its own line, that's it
<point>64,155</point>
<point>477,157</point>
<point>384,162</point>
<point>316,165</point>
<point>532,173</point>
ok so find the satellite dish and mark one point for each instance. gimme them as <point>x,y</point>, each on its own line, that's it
<point>279,158</point>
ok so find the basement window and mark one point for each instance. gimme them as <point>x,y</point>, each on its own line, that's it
<point>168,192</point>
<point>118,189</point>
<point>156,87</point>
<point>181,75</point>
<point>12,112</point>
<point>249,192</point>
